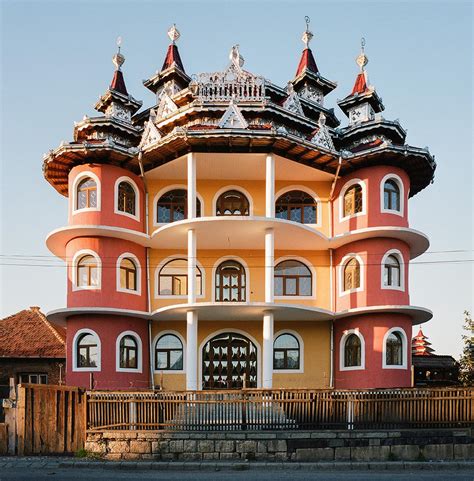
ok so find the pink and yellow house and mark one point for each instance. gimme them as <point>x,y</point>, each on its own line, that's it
<point>235,235</point>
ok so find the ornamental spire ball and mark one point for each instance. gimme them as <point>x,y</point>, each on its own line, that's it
<point>362,60</point>
<point>307,34</point>
<point>118,59</point>
<point>173,34</point>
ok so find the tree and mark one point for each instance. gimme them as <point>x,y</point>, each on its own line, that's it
<point>466,361</point>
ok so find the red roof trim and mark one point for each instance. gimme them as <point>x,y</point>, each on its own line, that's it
<point>118,83</point>
<point>172,57</point>
<point>360,85</point>
<point>306,62</point>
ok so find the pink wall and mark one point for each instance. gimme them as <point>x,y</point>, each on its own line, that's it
<point>108,328</point>
<point>107,174</point>
<point>373,328</point>
<point>373,217</point>
<point>371,251</point>
<point>108,249</point>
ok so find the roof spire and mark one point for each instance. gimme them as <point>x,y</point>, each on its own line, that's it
<point>307,61</point>
<point>361,84</point>
<point>118,82</point>
<point>362,60</point>
<point>307,34</point>
<point>172,55</point>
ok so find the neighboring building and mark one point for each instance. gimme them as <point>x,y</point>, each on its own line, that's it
<point>432,369</point>
<point>233,234</point>
<point>32,350</point>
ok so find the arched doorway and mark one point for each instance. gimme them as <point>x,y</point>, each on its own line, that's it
<point>228,361</point>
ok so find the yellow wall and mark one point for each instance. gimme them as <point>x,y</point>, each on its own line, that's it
<point>316,347</point>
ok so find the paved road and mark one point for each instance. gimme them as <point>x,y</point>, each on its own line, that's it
<point>80,474</point>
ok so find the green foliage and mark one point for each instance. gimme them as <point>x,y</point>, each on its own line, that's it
<point>83,453</point>
<point>466,361</point>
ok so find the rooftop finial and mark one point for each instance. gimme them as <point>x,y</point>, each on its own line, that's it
<point>235,56</point>
<point>173,34</point>
<point>362,60</point>
<point>118,59</point>
<point>307,35</point>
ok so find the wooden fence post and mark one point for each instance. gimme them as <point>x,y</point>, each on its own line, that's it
<point>20,419</point>
<point>133,414</point>
<point>10,417</point>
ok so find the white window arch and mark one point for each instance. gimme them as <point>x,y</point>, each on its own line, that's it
<point>342,351</point>
<point>77,180</point>
<point>75,265</point>
<point>388,279</point>
<point>169,188</point>
<point>128,180</point>
<point>308,191</point>
<point>138,274</point>
<point>246,270</point>
<point>313,278</point>
<point>160,335</point>
<point>128,349</point>
<point>401,189</point>
<point>238,188</point>
<point>82,349</point>
<point>301,352</point>
<point>169,259</point>
<point>341,274</point>
<point>342,194</point>
<point>404,349</point>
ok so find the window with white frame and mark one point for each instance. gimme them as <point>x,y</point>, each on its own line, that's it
<point>232,202</point>
<point>391,195</point>
<point>86,194</point>
<point>353,201</point>
<point>87,350</point>
<point>173,278</point>
<point>230,282</point>
<point>392,271</point>
<point>128,352</point>
<point>87,272</point>
<point>173,206</point>
<point>169,353</point>
<point>297,206</point>
<point>128,272</point>
<point>126,198</point>
<point>394,349</point>
<point>352,351</point>
<point>286,352</point>
<point>351,275</point>
<point>292,278</point>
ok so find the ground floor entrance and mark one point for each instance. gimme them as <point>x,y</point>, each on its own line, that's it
<point>229,361</point>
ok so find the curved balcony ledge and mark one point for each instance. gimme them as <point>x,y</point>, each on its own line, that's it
<point>242,311</point>
<point>418,314</point>
<point>244,232</point>
<point>57,240</point>
<point>418,242</point>
<point>236,232</point>
<point>59,316</point>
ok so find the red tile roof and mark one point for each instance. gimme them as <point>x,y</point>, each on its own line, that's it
<point>118,83</point>
<point>29,334</point>
<point>306,62</point>
<point>360,85</point>
<point>172,57</point>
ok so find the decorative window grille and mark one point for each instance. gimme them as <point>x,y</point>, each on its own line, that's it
<point>86,194</point>
<point>230,282</point>
<point>126,198</point>
<point>353,200</point>
<point>297,206</point>
<point>351,274</point>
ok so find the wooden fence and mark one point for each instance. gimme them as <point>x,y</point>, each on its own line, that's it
<point>280,409</point>
<point>49,419</point>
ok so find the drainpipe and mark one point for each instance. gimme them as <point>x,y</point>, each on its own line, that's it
<point>147,272</point>
<point>333,308</point>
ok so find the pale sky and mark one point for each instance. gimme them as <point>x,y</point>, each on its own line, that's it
<point>56,62</point>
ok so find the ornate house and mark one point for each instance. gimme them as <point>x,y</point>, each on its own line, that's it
<point>234,234</point>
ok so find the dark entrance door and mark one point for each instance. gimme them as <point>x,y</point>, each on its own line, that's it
<point>228,360</point>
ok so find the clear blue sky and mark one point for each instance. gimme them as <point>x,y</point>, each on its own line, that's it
<point>56,61</point>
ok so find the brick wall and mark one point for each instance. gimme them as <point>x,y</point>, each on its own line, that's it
<point>285,446</point>
<point>11,367</point>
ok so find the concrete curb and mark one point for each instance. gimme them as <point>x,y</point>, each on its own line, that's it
<point>52,463</point>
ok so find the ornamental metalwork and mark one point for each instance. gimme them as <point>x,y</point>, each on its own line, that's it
<point>232,83</point>
<point>311,93</point>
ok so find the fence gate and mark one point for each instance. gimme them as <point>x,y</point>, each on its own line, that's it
<point>50,419</point>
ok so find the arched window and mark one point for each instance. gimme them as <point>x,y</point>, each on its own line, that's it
<point>391,195</point>
<point>391,272</point>
<point>230,282</point>
<point>173,206</point>
<point>126,201</point>
<point>173,279</point>
<point>86,194</point>
<point>297,206</point>
<point>87,350</point>
<point>351,274</point>
<point>352,351</point>
<point>286,352</point>
<point>352,200</point>
<point>128,352</point>
<point>128,274</point>
<point>169,353</point>
<point>292,278</point>
<point>394,349</point>
<point>87,272</point>
<point>232,202</point>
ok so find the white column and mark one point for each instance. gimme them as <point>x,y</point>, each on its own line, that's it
<point>191,185</point>
<point>192,254</point>
<point>270,186</point>
<point>269,264</point>
<point>191,351</point>
<point>267,350</point>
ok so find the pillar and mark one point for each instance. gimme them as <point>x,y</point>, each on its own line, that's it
<point>191,185</point>
<point>191,351</point>
<point>269,264</point>
<point>270,186</point>
<point>267,371</point>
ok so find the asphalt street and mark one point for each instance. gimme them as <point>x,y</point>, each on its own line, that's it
<point>79,474</point>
